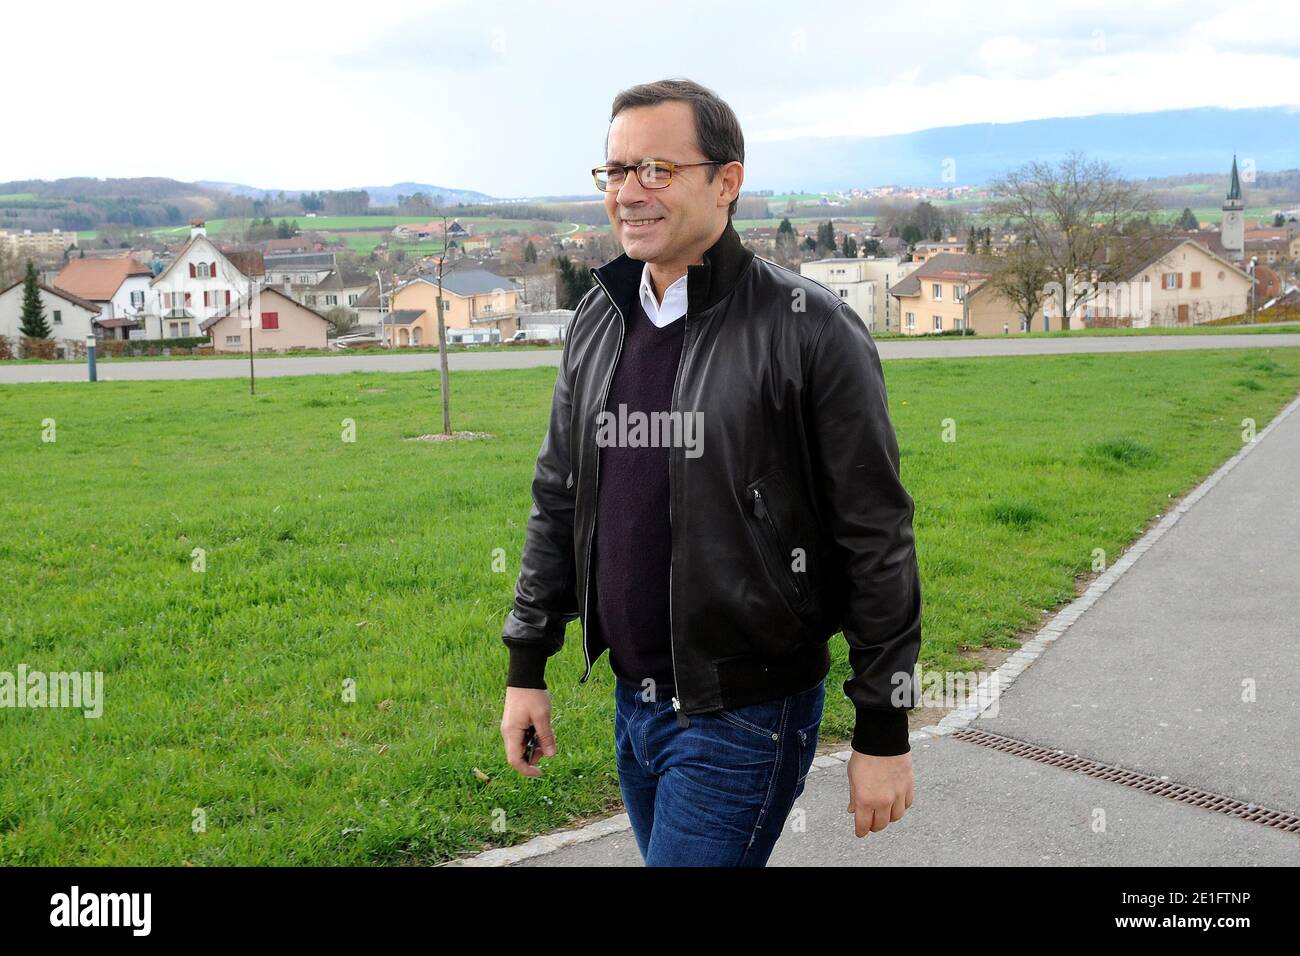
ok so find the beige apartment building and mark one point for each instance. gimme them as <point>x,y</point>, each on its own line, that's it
<point>28,243</point>
<point>865,284</point>
<point>847,279</point>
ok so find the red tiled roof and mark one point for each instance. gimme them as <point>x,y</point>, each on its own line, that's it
<point>98,279</point>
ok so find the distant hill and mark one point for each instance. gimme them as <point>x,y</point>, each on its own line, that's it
<point>83,202</point>
<point>379,195</point>
<point>1141,145</point>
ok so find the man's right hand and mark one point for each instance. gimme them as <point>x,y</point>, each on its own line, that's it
<point>527,706</point>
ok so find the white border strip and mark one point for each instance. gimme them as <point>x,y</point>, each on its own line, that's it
<point>986,693</point>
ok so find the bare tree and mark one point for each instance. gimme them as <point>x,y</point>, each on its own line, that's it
<point>341,318</point>
<point>11,266</point>
<point>1084,224</point>
<point>1022,277</point>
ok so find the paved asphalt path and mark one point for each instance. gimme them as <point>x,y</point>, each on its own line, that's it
<point>1150,678</point>
<point>122,370</point>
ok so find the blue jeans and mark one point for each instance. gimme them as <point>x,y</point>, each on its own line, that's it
<point>716,793</point>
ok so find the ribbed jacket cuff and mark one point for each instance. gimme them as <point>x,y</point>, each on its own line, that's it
<point>527,667</point>
<point>881,733</point>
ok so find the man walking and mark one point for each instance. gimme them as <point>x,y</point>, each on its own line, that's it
<point>717,495</point>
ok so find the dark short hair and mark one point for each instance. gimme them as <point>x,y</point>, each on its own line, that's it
<point>717,131</point>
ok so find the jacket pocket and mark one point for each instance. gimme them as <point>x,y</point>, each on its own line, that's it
<point>770,511</point>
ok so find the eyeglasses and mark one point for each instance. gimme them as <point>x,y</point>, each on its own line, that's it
<point>650,173</point>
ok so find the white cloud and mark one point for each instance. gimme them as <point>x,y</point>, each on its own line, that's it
<point>511,97</point>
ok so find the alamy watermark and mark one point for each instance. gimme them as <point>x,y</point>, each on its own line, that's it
<point>130,910</point>
<point>77,690</point>
<point>947,689</point>
<point>651,430</point>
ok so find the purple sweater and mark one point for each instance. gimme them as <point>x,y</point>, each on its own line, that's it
<point>632,549</point>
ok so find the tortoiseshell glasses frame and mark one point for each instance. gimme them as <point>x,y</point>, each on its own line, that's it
<point>650,173</point>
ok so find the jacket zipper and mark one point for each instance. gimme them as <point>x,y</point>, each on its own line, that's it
<point>761,512</point>
<point>586,596</point>
<point>682,720</point>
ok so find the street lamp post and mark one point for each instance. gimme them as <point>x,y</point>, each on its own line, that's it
<point>1253,281</point>
<point>965,304</point>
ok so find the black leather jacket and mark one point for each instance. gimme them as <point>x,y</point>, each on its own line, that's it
<point>791,525</point>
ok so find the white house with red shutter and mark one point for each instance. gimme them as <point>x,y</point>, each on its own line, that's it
<point>200,283</point>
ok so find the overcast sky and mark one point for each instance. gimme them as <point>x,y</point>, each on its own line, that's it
<point>512,98</point>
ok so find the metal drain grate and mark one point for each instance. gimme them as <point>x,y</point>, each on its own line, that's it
<point>1130,778</point>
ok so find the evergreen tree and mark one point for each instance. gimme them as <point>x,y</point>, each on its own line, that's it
<point>530,252</point>
<point>33,324</point>
<point>1188,220</point>
<point>826,236</point>
<point>850,247</point>
<point>970,240</point>
<point>572,283</point>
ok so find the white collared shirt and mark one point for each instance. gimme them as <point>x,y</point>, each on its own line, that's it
<point>674,306</point>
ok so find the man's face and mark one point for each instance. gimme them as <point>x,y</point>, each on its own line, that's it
<point>662,225</point>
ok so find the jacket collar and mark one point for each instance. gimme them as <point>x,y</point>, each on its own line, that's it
<point>707,284</point>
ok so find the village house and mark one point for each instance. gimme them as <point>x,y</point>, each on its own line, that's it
<point>200,282</point>
<point>1271,250</point>
<point>338,288</point>
<point>475,244</point>
<point>950,292</point>
<point>286,270</point>
<point>70,318</point>
<point>472,299</point>
<point>370,310</point>
<point>423,231</point>
<point>1180,283</point>
<point>118,285</point>
<point>278,324</point>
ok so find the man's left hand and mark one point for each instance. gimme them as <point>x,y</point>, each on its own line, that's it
<point>881,790</point>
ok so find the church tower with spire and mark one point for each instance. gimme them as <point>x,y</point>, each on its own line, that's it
<point>1233,231</point>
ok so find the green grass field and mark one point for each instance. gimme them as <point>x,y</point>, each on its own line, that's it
<point>1258,328</point>
<point>1215,214</point>
<point>373,561</point>
<point>365,242</point>
<point>363,223</point>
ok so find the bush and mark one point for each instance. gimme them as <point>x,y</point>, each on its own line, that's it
<point>39,348</point>
<point>173,344</point>
<point>6,350</point>
<point>1108,322</point>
